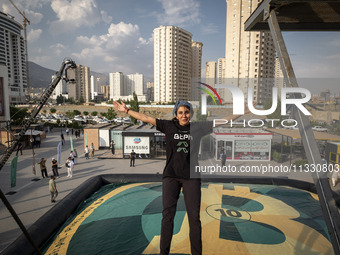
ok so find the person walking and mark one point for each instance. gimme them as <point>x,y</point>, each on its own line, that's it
<point>62,139</point>
<point>43,169</point>
<point>69,164</point>
<point>112,146</point>
<point>19,148</point>
<point>53,189</point>
<point>132,158</point>
<point>54,164</point>
<point>75,156</point>
<point>87,152</point>
<point>38,141</point>
<point>92,150</point>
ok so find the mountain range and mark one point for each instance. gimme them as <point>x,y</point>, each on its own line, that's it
<point>40,77</point>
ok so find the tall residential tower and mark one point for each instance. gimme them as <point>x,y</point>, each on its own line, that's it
<point>12,55</point>
<point>174,63</point>
<point>249,56</point>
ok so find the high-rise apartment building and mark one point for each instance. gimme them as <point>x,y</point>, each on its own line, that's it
<point>116,84</point>
<point>105,90</point>
<point>12,55</point>
<point>196,70</point>
<point>173,50</point>
<point>210,73</point>
<point>124,85</point>
<point>279,82</point>
<point>81,87</point>
<point>150,91</point>
<point>250,56</point>
<point>135,83</point>
<point>60,89</point>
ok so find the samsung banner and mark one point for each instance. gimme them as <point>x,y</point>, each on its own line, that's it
<point>141,145</point>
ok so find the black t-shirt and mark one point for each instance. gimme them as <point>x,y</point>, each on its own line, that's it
<point>182,143</point>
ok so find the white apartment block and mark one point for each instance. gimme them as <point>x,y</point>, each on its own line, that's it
<point>12,55</point>
<point>221,66</point>
<point>250,56</point>
<point>116,84</point>
<point>60,89</point>
<point>172,64</point>
<point>124,85</point>
<point>135,84</point>
<point>210,73</point>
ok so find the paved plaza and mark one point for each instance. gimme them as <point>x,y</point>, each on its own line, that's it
<point>31,197</point>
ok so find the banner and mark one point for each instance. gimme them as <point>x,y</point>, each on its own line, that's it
<point>71,141</point>
<point>14,164</point>
<point>141,145</point>
<point>59,152</point>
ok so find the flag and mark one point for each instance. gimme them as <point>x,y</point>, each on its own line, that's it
<point>14,164</point>
<point>71,141</point>
<point>59,152</point>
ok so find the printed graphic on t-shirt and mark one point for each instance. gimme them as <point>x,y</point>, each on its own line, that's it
<point>182,146</point>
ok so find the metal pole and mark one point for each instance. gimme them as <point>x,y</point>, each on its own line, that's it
<point>324,191</point>
<point>17,219</point>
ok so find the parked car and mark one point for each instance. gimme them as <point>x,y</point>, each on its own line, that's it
<point>319,128</point>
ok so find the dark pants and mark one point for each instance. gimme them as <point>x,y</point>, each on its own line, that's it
<point>192,197</point>
<point>44,172</point>
<point>132,162</point>
<point>55,171</point>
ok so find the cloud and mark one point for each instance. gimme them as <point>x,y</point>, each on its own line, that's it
<point>105,17</point>
<point>121,49</point>
<point>335,43</point>
<point>334,56</point>
<point>74,14</point>
<point>58,49</point>
<point>34,17</point>
<point>34,35</point>
<point>179,12</point>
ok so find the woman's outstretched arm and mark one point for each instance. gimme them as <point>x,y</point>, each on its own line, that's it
<point>137,115</point>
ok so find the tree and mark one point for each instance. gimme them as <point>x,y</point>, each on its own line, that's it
<point>76,112</point>
<point>70,114</point>
<point>53,110</point>
<point>85,113</point>
<point>60,99</point>
<point>81,100</point>
<point>134,106</point>
<point>44,111</point>
<point>94,113</point>
<point>18,114</point>
<point>111,114</point>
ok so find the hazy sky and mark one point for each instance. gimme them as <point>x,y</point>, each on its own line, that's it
<point>116,35</point>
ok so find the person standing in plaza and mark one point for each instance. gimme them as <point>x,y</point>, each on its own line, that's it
<point>75,156</point>
<point>53,189</point>
<point>92,150</point>
<point>87,152</point>
<point>132,158</point>
<point>112,146</point>
<point>69,164</point>
<point>43,169</point>
<point>62,139</point>
<point>38,141</point>
<point>54,164</point>
<point>19,148</point>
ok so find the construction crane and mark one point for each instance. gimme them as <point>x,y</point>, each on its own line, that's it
<point>25,22</point>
